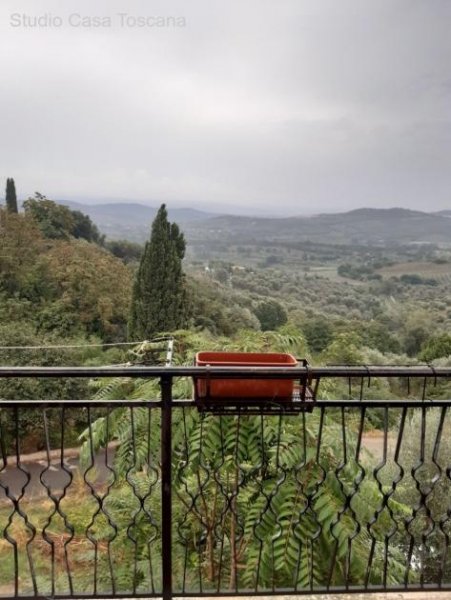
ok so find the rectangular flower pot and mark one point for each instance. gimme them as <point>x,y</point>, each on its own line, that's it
<point>267,389</point>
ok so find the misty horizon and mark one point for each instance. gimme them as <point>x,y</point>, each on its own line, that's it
<point>218,210</point>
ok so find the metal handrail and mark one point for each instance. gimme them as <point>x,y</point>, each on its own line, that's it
<point>231,372</point>
<point>344,469</point>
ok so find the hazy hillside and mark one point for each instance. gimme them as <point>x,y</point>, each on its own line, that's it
<point>362,226</point>
<point>131,220</point>
<point>358,227</point>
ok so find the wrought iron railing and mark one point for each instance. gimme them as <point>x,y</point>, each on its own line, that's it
<point>161,496</point>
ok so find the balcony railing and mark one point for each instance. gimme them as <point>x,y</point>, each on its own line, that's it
<point>158,496</point>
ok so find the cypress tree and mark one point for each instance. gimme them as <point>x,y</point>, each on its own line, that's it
<point>11,198</point>
<point>158,299</point>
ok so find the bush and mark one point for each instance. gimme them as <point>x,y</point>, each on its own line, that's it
<point>271,315</point>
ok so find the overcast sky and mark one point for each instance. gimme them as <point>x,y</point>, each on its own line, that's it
<point>290,106</point>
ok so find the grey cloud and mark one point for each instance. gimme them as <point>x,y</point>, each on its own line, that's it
<point>297,106</point>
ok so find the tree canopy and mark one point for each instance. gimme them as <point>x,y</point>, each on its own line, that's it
<point>60,222</point>
<point>74,287</point>
<point>436,347</point>
<point>271,314</point>
<point>158,298</point>
<point>11,197</point>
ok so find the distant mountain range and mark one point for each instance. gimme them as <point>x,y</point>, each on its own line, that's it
<point>362,226</point>
<point>131,221</point>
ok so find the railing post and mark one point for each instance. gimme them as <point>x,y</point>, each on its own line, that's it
<point>166,485</point>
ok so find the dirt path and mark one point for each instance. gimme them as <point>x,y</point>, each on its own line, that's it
<point>374,442</point>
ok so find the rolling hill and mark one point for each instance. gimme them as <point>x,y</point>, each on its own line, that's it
<point>376,227</point>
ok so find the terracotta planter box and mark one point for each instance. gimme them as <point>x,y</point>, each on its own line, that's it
<point>267,389</point>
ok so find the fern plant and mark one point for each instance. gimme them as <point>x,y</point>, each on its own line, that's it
<point>258,501</point>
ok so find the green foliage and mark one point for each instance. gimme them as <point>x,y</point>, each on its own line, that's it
<point>271,315</point>
<point>22,344</point>
<point>217,308</point>
<point>21,333</point>
<point>360,272</point>
<point>413,279</point>
<point>59,222</point>
<point>344,350</point>
<point>263,485</point>
<point>54,220</point>
<point>10,196</point>
<point>21,248</point>
<point>90,284</point>
<point>415,338</point>
<point>84,228</point>
<point>425,488</point>
<point>129,252</point>
<point>436,347</point>
<point>285,340</point>
<point>319,333</point>
<point>74,287</point>
<point>377,335</point>
<point>159,298</point>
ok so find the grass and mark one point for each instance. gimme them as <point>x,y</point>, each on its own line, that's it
<point>77,558</point>
<point>49,540</point>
